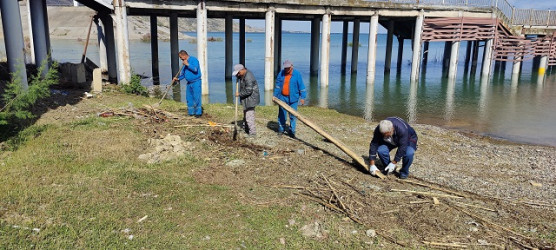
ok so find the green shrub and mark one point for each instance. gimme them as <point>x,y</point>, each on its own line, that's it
<point>17,103</point>
<point>134,86</point>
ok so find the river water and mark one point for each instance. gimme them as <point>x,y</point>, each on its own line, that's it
<point>519,109</point>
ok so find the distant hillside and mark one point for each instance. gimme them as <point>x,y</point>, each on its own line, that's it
<point>68,22</point>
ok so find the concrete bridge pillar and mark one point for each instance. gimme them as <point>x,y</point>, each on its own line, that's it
<point>112,65</point>
<point>517,66</point>
<point>229,46</point>
<point>175,62</point>
<point>371,56</point>
<point>355,46</point>
<point>400,55</point>
<point>13,39</point>
<point>452,71</point>
<point>202,45</point>
<point>242,41</point>
<point>39,34</point>
<point>269,50</point>
<point>120,16</point>
<point>344,46</point>
<point>154,50</point>
<point>467,56</point>
<point>325,48</point>
<point>446,57</point>
<point>30,25</point>
<point>425,54</point>
<point>417,46</point>
<point>277,44</point>
<point>543,64</point>
<point>389,40</point>
<point>487,58</point>
<point>315,36</point>
<point>103,56</point>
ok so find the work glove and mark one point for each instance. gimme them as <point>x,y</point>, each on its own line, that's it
<point>390,168</point>
<point>372,169</point>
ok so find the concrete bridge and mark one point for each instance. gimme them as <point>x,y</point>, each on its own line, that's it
<point>505,33</point>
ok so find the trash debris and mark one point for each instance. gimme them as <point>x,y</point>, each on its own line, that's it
<point>88,95</point>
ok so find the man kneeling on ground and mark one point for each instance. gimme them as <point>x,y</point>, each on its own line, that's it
<point>393,132</point>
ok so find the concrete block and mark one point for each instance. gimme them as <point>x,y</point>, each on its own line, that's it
<point>96,85</point>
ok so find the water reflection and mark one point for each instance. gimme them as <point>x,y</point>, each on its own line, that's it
<point>412,102</point>
<point>369,100</point>
<point>450,92</point>
<point>483,100</point>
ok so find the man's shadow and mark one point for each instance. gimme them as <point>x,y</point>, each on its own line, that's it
<point>273,125</point>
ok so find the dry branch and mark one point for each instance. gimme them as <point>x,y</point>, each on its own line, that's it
<point>426,193</point>
<point>450,245</point>
<point>435,188</point>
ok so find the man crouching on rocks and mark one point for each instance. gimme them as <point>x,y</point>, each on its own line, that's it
<point>393,132</point>
<point>248,93</point>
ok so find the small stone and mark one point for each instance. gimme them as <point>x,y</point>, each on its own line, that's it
<point>535,184</point>
<point>370,233</point>
<point>291,222</point>
<point>235,163</point>
<point>474,229</point>
<point>482,242</point>
<point>354,232</point>
<point>301,151</point>
<point>130,237</point>
<point>282,241</point>
<point>206,238</point>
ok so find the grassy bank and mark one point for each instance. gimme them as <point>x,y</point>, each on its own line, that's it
<point>75,179</point>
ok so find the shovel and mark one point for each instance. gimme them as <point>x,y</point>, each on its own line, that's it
<point>235,116</point>
<point>168,87</point>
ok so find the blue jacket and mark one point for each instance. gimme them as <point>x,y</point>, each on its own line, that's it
<point>192,72</point>
<point>297,88</point>
<point>404,136</point>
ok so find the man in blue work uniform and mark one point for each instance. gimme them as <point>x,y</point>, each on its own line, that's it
<point>291,90</point>
<point>393,132</point>
<point>191,72</point>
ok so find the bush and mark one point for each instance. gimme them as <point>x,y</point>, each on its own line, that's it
<point>134,86</point>
<point>17,103</point>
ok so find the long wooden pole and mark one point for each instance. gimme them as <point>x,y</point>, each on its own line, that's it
<point>317,129</point>
<point>87,41</point>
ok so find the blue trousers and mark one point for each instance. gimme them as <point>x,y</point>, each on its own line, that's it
<point>193,96</point>
<point>282,115</point>
<point>384,154</point>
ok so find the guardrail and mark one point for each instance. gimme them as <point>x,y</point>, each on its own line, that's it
<point>510,14</point>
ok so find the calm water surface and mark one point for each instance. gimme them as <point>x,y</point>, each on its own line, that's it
<point>518,109</point>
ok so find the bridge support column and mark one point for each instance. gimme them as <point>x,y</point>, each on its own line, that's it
<point>452,72</point>
<point>425,54</point>
<point>277,44</point>
<point>39,34</point>
<point>112,64</point>
<point>229,49</point>
<point>389,40</point>
<point>467,56</point>
<point>13,39</point>
<point>355,46</point>
<point>475,57</point>
<point>400,55</point>
<point>202,45</point>
<point>269,50</point>
<point>30,25</point>
<point>103,57</point>
<point>314,57</point>
<point>417,47</point>
<point>122,35</point>
<point>325,48</point>
<point>446,57</point>
<point>487,58</point>
<point>371,56</point>
<point>242,41</point>
<point>154,50</point>
<point>47,34</point>
<point>344,46</point>
<point>543,65</point>
<point>517,66</point>
<point>175,62</point>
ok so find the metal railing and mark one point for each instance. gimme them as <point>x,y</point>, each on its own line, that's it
<point>510,14</point>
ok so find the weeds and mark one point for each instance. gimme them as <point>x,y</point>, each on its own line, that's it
<point>134,86</point>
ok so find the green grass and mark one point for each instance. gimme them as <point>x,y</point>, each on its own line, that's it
<point>80,185</point>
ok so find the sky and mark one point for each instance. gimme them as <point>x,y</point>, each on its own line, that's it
<point>336,27</point>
